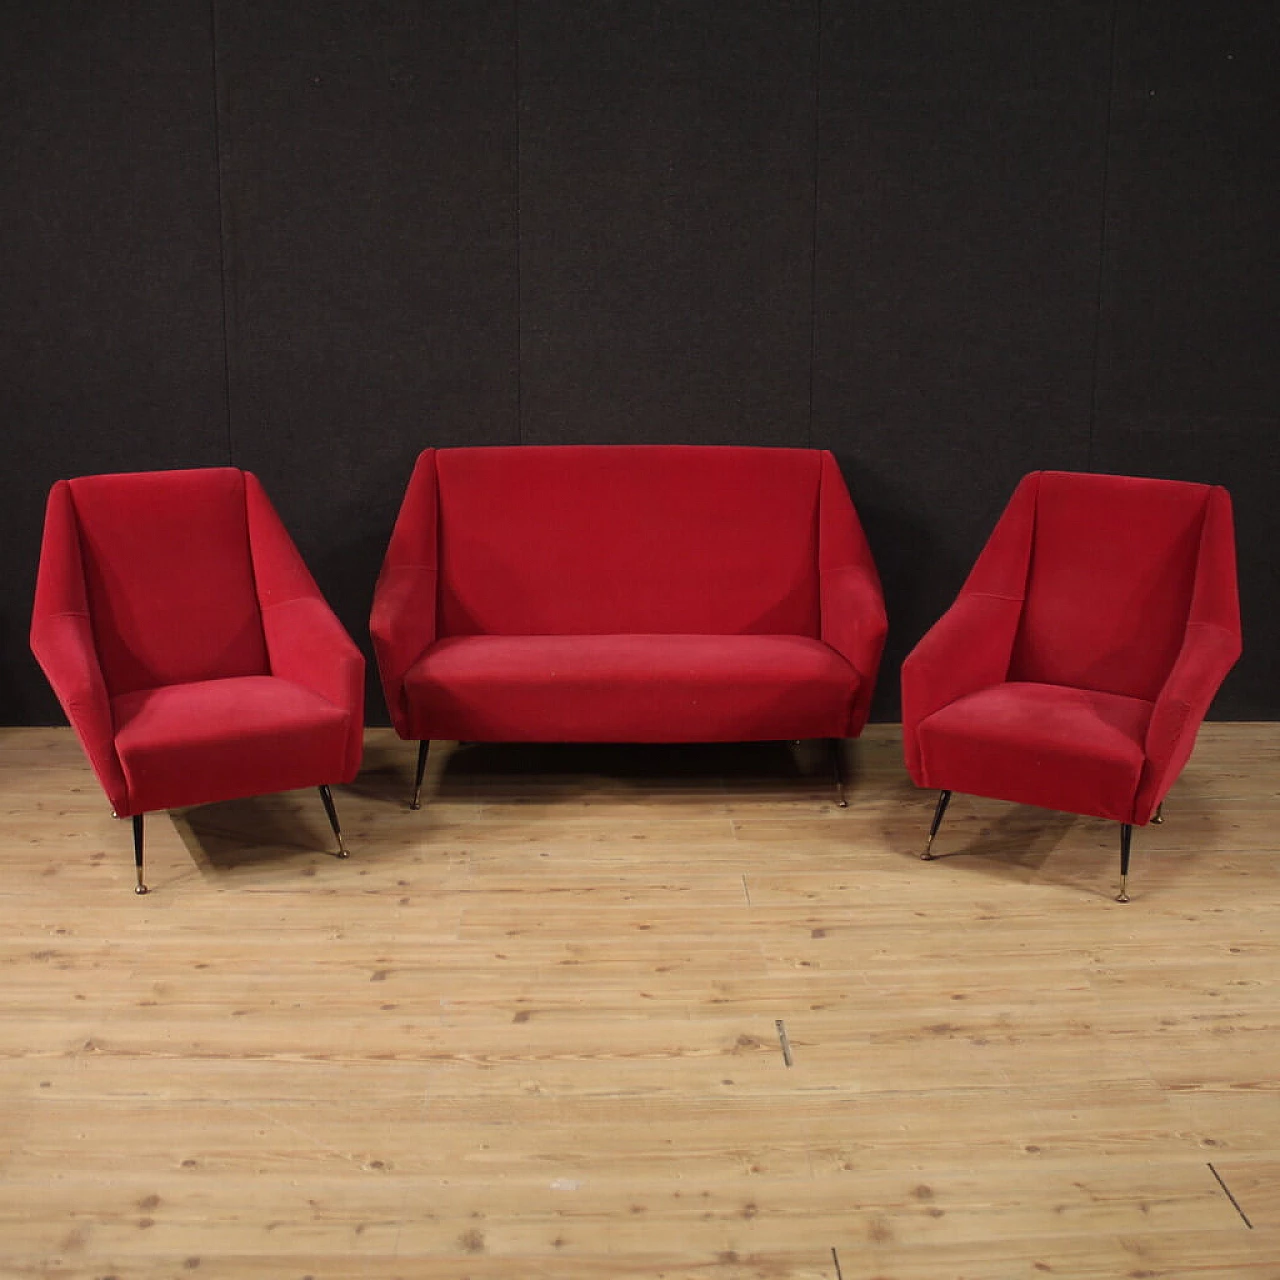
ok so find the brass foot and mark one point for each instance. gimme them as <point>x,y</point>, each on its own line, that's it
<point>327,796</point>
<point>423,747</point>
<point>837,772</point>
<point>944,799</point>
<point>1157,818</point>
<point>1126,839</point>
<point>139,888</point>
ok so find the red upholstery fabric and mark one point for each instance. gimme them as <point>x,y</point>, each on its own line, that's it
<point>1084,649</point>
<point>169,578</point>
<point>188,744</point>
<point>188,644</point>
<point>595,541</point>
<point>628,688</point>
<point>652,550</point>
<point>1081,746</point>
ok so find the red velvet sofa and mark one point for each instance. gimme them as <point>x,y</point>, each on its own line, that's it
<point>619,593</point>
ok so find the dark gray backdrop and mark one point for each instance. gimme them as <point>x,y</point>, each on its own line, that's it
<point>950,242</point>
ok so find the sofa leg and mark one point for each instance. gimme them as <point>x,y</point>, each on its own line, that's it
<point>837,770</point>
<point>1126,838</point>
<point>327,796</point>
<point>423,747</point>
<point>944,799</point>
<point>140,887</point>
<point>1157,818</point>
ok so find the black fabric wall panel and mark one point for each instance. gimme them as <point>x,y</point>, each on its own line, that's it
<point>960,181</point>
<point>951,243</point>
<point>1189,368</point>
<point>666,221</point>
<point>111,327</point>
<point>369,199</point>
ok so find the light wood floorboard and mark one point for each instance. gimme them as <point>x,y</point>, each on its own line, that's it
<point>537,1029</point>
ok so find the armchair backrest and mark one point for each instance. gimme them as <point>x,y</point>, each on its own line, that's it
<point>590,539</point>
<point>1111,572</point>
<point>168,576</point>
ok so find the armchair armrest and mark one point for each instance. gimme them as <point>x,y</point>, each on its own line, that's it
<point>64,647</point>
<point>308,645</point>
<point>967,649</point>
<point>305,641</point>
<point>1208,653</point>
<point>63,643</point>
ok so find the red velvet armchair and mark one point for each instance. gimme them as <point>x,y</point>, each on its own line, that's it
<point>189,646</point>
<point>1075,667</point>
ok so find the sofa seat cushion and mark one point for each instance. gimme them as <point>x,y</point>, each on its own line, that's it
<point>1076,750</point>
<point>630,688</point>
<point>211,740</point>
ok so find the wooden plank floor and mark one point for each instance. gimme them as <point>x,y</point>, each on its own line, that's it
<point>537,1029</point>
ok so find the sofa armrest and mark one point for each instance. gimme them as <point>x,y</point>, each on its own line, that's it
<point>402,623</point>
<point>966,650</point>
<point>1208,653</point>
<point>854,624</point>
<point>403,626</point>
<point>853,619</point>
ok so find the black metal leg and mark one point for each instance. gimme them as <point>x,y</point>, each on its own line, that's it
<point>423,747</point>
<point>837,770</point>
<point>137,852</point>
<point>327,796</point>
<point>1126,839</point>
<point>944,799</point>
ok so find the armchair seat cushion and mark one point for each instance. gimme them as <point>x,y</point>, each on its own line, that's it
<point>1042,744</point>
<point>211,740</point>
<point>630,688</point>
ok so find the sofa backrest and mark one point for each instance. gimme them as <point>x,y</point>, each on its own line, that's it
<point>169,577</point>
<point>1110,580</point>
<point>658,539</point>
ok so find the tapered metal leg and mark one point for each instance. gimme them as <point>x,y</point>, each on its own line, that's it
<point>1157,818</point>
<point>423,747</point>
<point>137,852</point>
<point>837,770</point>
<point>1126,839</point>
<point>327,796</point>
<point>944,799</point>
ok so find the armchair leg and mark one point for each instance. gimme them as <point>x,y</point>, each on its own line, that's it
<point>1126,839</point>
<point>837,771</point>
<point>1157,818</point>
<point>327,796</point>
<point>944,799</point>
<point>423,747</point>
<point>137,852</point>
